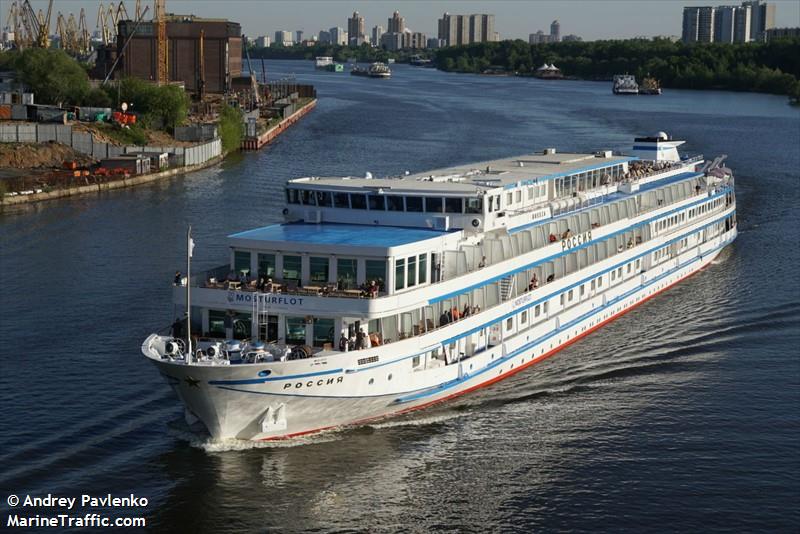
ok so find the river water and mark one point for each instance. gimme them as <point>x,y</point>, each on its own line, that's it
<point>682,415</point>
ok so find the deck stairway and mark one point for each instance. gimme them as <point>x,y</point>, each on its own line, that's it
<point>507,287</point>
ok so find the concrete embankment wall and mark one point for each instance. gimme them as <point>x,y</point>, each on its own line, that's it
<point>254,143</point>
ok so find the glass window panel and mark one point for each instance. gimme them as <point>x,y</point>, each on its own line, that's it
<point>400,274</point>
<point>452,205</point>
<point>324,199</point>
<point>358,201</point>
<point>292,197</point>
<point>319,269</point>
<point>323,332</point>
<point>474,205</point>
<point>306,197</point>
<point>291,268</point>
<point>216,323</point>
<point>266,265</point>
<point>376,270</point>
<point>412,271</point>
<point>433,205</point>
<point>295,331</point>
<point>376,203</point>
<point>394,203</point>
<point>346,273</point>
<point>340,200</point>
<point>241,260</point>
<point>413,203</point>
<point>423,268</point>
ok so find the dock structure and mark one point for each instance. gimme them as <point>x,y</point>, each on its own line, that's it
<point>257,141</point>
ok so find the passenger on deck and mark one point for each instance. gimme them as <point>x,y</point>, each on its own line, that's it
<point>534,283</point>
<point>444,319</point>
<point>177,278</point>
<point>630,243</point>
<point>456,315</point>
<point>373,289</point>
<point>269,286</point>
<point>343,344</point>
<point>620,248</point>
<point>482,263</point>
<point>551,277</point>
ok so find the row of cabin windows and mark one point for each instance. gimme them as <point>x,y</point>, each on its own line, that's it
<point>319,269</point>
<point>704,208</point>
<point>536,191</point>
<point>588,180</point>
<point>671,221</point>
<point>374,202</point>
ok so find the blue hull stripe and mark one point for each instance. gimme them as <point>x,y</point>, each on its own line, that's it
<point>448,385</point>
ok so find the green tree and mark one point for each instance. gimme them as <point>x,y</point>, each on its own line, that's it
<point>231,128</point>
<point>53,76</point>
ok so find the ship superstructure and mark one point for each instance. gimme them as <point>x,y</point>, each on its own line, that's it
<point>377,296</point>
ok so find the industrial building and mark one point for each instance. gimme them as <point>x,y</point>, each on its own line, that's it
<point>221,44</point>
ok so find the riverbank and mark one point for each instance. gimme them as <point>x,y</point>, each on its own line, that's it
<point>748,67</point>
<point>130,181</point>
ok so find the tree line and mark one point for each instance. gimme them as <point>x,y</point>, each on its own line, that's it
<point>364,53</point>
<point>772,67</point>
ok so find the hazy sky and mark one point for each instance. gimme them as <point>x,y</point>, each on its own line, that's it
<point>591,19</point>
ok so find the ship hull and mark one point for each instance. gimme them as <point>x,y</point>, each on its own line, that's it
<point>232,404</point>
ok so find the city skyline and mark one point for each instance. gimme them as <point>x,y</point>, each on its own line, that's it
<point>513,19</point>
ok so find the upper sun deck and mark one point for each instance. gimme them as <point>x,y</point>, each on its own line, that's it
<point>335,238</point>
<point>474,178</point>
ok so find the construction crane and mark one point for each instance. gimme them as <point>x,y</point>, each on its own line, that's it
<point>201,79</point>
<point>253,82</point>
<point>160,19</point>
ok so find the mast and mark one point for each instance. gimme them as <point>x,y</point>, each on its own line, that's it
<point>189,247</point>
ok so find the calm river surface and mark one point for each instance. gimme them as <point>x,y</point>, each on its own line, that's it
<point>682,415</point>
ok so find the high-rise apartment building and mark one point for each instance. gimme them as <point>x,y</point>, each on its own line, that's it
<point>263,41</point>
<point>377,31</point>
<point>338,36</point>
<point>458,30</point>
<point>355,29</point>
<point>555,31</point>
<point>698,24</point>
<point>728,24</point>
<point>283,37</point>
<point>397,24</point>
<point>298,36</point>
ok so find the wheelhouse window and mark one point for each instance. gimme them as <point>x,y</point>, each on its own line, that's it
<point>376,270</point>
<point>399,274</point>
<point>394,203</point>
<point>266,265</point>
<point>433,205</point>
<point>453,205</point>
<point>412,271</point>
<point>346,273</point>
<point>307,197</point>
<point>324,199</point>
<point>375,203</point>
<point>423,268</point>
<point>414,204</point>
<point>318,269</point>
<point>295,331</point>
<point>241,261</point>
<point>291,268</point>
<point>340,200</point>
<point>292,197</point>
<point>358,201</point>
<point>474,205</point>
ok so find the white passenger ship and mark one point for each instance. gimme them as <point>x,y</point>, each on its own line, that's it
<point>380,296</point>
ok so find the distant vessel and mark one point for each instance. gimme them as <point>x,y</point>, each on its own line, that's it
<point>323,62</point>
<point>650,86</point>
<point>419,61</point>
<point>376,70</point>
<point>548,72</point>
<point>378,296</point>
<point>335,67</point>
<point>625,84</point>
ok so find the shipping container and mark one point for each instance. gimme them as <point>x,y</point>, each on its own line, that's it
<point>5,112</point>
